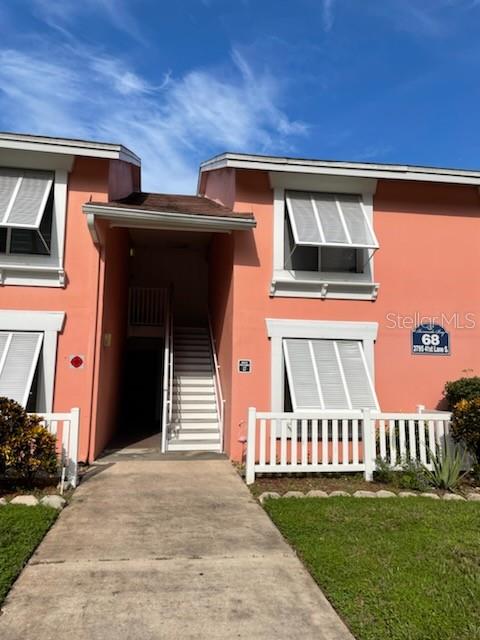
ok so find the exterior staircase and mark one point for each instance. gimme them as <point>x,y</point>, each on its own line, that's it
<point>195,420</point>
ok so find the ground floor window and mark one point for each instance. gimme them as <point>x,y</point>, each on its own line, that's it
<point>322,365</point>
<point>19,354</point>
<point>28,348</point>
<point>327,375</point>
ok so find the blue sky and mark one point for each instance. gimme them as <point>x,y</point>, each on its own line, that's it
<point>177,82</point>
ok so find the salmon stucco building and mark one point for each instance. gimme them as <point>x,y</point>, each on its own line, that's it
<point>285,284</point>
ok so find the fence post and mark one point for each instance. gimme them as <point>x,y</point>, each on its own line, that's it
<point>368,445</point>
<point>73,447</point>
<point>250,462</point>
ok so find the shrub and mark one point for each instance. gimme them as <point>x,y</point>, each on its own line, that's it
<point>383,471</point>
<point>447,469</point>
<point>412,476</point>
<point>26,447</point>
<point>466,425</point>
<point>12,417</point>
<point>462,389</point>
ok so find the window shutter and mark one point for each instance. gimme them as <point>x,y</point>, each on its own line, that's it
<point>303,219</point>
<point>329,220</point>
<point>356,221</point>
<point>27,200</point>
<point>301,375</point>
<point>20,351</point>
<point>8,182</point>
<point>357,377</point>
<point>328,375</point>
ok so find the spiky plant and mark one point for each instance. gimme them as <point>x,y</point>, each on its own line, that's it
<point>447,469</point>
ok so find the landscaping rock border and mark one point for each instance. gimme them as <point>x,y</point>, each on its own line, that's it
<point>382,493</point>
<point>55,501</point>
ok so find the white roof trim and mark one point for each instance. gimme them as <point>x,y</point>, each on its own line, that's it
<point>45,144</point>
<point>165,220</point>
<point>335,168</point>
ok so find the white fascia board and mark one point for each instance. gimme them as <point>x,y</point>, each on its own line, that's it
<point>165,220</point>
<point>321,329</point>
<point>26,320</point>
<point>346,169</point>
<point>87,148</point>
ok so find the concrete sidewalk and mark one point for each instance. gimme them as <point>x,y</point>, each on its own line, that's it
<point>164,550</point>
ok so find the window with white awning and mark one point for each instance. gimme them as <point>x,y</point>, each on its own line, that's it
<point>19,353</point>
<point>329,220</point>
<point>26,207</point>
<point>328,375</point>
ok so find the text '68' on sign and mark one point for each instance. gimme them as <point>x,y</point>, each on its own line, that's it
<point>430,339</point>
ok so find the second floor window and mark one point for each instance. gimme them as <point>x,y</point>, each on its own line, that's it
<point>327,233</point>
<point>26,211</point>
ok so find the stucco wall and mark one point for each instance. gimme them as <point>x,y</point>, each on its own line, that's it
<point>73,387</point>
<point>429,236</point>
<point>111,338</point>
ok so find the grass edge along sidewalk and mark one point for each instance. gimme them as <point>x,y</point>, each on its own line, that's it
<point>22,528</point>
<point>398,569</point>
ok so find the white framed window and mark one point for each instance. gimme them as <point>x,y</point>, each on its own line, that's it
<point>327,375</point>
<point>32,226</point>
<point>322,365</point>
<point>28,348</point>
<point>324,244</point>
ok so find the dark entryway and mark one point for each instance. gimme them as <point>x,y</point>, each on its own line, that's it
<point>141,398</point>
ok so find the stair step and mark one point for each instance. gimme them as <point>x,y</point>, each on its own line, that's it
<point>197,436</point>
<point>193,382</point>
<point>193,424</point>
<point>185,414</point>
<point>194,445</point>
<point>192,329</point>
<point>182,404</point>
<point>195,427</point>
<point>189,359</point>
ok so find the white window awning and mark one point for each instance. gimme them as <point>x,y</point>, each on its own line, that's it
<point>19,352</point>
<point>23,197</point>
<point>330,220</point>
<point>328,375</point>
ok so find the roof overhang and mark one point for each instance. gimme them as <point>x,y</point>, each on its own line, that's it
<point>141,219</point>
<point>66,146</point>
<point>344,169</point>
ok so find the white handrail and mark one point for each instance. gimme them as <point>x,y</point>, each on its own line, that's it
<point>219,399</point>
<point>167,373</point>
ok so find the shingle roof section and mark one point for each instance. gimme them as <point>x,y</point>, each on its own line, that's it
<point>170,203</point>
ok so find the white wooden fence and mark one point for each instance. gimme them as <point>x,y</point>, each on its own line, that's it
<point>335,441</point>
<point>65,427</point>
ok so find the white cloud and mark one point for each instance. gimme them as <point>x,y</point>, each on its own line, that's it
<point>172,125</point>
<point>327,14</point>
<point>62,13</point>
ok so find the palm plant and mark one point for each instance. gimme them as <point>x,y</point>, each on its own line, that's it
<point>446,472</point>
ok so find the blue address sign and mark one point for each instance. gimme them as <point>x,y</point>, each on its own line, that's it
<point>430,339</point>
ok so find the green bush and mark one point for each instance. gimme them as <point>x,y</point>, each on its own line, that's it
<point>412,477</point>
<point>383,471</point>
<point>26,447</point>
<point>462,389</point>
<point>466,425</point>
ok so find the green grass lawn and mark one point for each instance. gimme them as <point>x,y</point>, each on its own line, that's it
<point>21,530</point>
<point>394,569</point>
